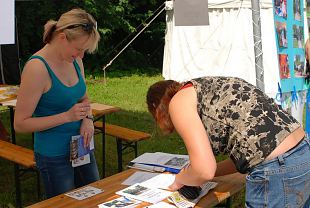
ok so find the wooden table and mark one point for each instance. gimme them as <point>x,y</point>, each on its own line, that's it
<point>227,186</point>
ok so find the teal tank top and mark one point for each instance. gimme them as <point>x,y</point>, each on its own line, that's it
<point>58,99</point>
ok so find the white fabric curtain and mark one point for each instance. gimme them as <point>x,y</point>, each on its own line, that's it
<point>223,48</point>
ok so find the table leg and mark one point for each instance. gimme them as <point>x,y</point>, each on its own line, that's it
<point>103,147</point>
<point>16,167</point>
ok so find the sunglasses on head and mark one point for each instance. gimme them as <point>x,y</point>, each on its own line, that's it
<point>86,27</point>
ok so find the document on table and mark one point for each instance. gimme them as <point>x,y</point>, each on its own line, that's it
<point>162,181</point>
<point>182,202</point>
<point>143,193</point>
<point>84,193</point>
<point>120,202</point>
<point>161,205</point>
<point>138,177</point>
<point>171,162</point>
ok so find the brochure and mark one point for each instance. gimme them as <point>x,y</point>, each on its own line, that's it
<point>120,202</point>
<point>77,148</point>
<point>182,202</point>
<point>160,162</point>
<point>143,193</point>
<point>84,193</point>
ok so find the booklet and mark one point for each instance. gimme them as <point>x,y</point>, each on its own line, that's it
<point>77,148</point>
<point>160,162</point>
<point>84,193</point>
<point>120,202</point>
<point>143,193</point>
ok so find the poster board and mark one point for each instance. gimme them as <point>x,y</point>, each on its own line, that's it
<point>7,24</point>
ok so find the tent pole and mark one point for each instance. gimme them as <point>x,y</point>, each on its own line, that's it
<point>1,68</point>
<point>258,45</point>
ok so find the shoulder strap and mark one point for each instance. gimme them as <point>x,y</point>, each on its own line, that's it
<point>77,68</point>
<point>51,73</point>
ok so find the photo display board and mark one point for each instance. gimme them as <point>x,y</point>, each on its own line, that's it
<point>289,31</point>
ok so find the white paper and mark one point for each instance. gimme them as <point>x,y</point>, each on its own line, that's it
<point>7,23</point>
<point>182,202</point>
<point>84,193</point>
<point>120,202</point>
<point>162,181</point>
<point>163,159</point>
<point>143,193</point>
<point>138,177</point>
<point>161,205</point>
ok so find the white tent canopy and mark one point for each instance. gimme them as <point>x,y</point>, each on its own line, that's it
<point>223,48</point>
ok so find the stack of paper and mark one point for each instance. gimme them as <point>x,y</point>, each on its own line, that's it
<point>160,162</point>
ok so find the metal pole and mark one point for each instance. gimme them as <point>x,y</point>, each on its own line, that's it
<point>1,68</point>
<point>258,45</point>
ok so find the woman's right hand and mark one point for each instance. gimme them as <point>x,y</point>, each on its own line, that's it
<point>78,111</point>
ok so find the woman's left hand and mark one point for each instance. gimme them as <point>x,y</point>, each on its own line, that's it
<point>87,130</point>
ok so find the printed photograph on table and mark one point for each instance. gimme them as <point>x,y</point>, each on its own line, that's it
<point>136,190</point>
<point>284,66</point>
<point>280,7</point>
<point>298,36</point>
<point>299,65</point>
<point>297,10</point>
<point>281,34</point>
<point>119,202</point>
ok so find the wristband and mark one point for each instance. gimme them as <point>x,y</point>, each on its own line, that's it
<point>91,117</point>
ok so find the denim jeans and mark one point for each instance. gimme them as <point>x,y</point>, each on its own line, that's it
<point>59,176</point>
<point>283,182</point>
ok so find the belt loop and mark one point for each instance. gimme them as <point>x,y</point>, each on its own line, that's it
<point>281,160</point>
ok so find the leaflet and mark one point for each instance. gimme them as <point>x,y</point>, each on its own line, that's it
<point>143,193</point>
<point>171,162</point>
<point>120,202</point>
<point>77,148</point>
<point>182,202</point>
<point>162,181</point>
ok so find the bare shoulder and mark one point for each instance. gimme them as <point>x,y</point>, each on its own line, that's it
<point>184,99</point>
<point>35,74</point>
<point>35,68</point>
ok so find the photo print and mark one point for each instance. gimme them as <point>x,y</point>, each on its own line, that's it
<point>299,65</point>
<point>297,10</point>
<point>280,7</point>
<point>281,34</point>
<point>284,66</point>
<point>298,36</point>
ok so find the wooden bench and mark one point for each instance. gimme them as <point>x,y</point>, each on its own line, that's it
<point>125,138</point>
<point>20,156</point>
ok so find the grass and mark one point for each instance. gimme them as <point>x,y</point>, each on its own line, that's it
<point>126,90</point>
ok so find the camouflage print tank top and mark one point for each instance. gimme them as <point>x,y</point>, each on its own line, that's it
<point>241,120</point>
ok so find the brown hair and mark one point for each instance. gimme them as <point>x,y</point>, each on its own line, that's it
<point>158,98</point>
<point>75,24</point>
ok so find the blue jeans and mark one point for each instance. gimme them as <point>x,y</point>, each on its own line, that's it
<point>59,176</point>
<point>282,182</point>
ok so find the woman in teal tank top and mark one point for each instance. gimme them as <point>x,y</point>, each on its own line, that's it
<point>55,106</point>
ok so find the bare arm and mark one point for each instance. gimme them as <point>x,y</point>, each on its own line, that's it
<point>183,113</point>
<point>87,126</point>
<point>29,95</point>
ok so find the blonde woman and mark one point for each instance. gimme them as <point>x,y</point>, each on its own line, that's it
<point>55,106</point>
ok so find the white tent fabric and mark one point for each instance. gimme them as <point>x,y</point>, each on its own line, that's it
<point>223,48</point>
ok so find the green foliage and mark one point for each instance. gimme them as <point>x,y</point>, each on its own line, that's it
<point>118,22</point>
